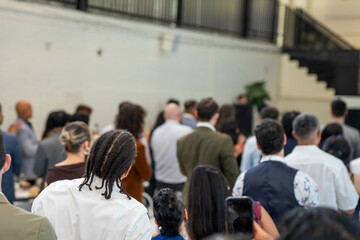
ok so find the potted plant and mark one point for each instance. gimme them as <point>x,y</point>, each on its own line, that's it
<point>257,94</point>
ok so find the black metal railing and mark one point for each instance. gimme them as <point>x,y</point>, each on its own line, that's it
<point>252,19</point>
<point>322,51</point>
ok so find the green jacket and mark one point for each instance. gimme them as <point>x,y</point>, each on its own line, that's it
<point>204,146</point>
<point>18,224</point>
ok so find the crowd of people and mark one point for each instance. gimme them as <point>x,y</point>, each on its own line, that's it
<point>303,179</point>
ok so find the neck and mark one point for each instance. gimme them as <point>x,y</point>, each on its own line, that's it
<point>73,158</point>
<point>305,143</point>
<point>280,154</point>
<point>338,119</point>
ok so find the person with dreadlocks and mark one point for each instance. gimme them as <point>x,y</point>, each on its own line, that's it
<point>97,206</point>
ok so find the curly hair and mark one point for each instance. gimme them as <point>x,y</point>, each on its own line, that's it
<point>131,117</point>
<point>270,136</point>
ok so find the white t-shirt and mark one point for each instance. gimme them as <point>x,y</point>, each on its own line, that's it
<point>335,187</point>
<point>85,214</point>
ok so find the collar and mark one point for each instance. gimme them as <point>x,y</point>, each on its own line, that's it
<point>306,148</point>
<point>188,115</point>
<point>3,199</point>
<point>272,158</point>
<point>170,121</point>
<point>205,124</point>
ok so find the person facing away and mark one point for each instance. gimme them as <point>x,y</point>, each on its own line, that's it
<point>278,187</point>
<point>12,148</point>
<point>206,146</point>
<point>16,223</point>
<point>338,113</point>
<point>330,174</point>
<point>50,150</point>
<point>163,144</point>
<point>27,140</point>
<point>170,215</point>
<point>76,138</point>
<point>286,122</point>
<point>97,206</point>
<point>251,155</point>
<point>190,115</point>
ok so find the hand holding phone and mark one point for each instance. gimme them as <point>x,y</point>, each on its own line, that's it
<point>240,217</point>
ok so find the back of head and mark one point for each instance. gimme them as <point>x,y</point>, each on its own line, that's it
<point>110,157</point>
<point>173,100</point>
<point>2,151</point>
<point>168,212</point>
<point>74,135</point>
<point>131,118</point>
<point>190,106</point>
<point>269,112</point>
<point>23,109</point>
<point>338,108</point>
<point>226,111</point>
<point>207,108</point>
<point>287,122</point>
<point>305,127</point>
<point>206,202</point>
<point>339,147</point>
<point>80,116</point>
<point>318,224</point>
<point>83,109</point>
<point>331,129</point>
<point>172,112</point>
<point>270,136</point>
<point>56,120</point>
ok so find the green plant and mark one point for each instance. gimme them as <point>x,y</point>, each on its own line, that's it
<point>257,94</point>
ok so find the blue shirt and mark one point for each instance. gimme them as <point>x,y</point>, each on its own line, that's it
<point>161,237</point>
<point>251,155</point>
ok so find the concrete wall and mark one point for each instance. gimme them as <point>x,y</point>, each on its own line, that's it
<point>51,57</point>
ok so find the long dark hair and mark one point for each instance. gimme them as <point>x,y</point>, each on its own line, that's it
<point>206,202</point>
<point>131,117</point>
<point>112,154</point>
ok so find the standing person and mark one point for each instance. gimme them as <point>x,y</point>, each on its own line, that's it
<point>163,144</point>
<point>251,154</point>
<point>16,223</point>
<point>206,146</point>
<point>335,188</point>
<point>276,186</point>
<point>287,122</point>
<point>50,150</point>
<point>338,113</point>
<point>190,115</point>
<point>131,118</point>
<point>27,140</point>
<point>97,206</point>
<point>76,138</point>
<point>11,148</point>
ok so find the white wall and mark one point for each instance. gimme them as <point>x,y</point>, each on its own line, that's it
<point>49,56</point>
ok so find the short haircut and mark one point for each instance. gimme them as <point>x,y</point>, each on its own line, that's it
<point>287,122</point>
<point>331,129</point>
<point>83,109</point>
<point>189,105</point>
<point>168,212</point>
<point>305,125</point>
<point>269,112</point>
<point>80,116</point>
<point>207,108</point>
<point>318,224</point>
<point>173,100</point>
<point>270,136</point>
<point>2,151</point>
<point>338,108</point>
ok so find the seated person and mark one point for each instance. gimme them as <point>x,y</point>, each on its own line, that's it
<point>97,206</point>
<point>169,214</point>
<point>76,138</point>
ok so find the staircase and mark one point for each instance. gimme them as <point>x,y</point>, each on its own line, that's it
<point>324,53</point>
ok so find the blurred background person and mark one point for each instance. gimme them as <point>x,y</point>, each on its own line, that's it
<point>189,117</point>
<point>287,122</point>
<point>331,129</point>
<point>76,138</point>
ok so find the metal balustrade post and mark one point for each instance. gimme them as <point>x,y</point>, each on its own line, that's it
<point>245,18</point>
<point>179,13</point>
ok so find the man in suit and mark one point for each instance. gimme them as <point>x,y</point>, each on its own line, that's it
<point>27,139</point>
<point>50,150</point>
<point>16,223</point>
<point>11,148</point>
<point>206,146</point>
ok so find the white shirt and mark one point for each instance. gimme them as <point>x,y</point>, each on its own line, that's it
<point>335,188</point>
<point>163,144</point>
<point>205,124</point>
<point>85,214</point>
<point>355,166</point>
<point>305,189</point>
<point>251,155</point>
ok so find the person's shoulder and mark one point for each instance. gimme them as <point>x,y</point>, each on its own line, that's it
<point>22,217</point>
<point>55,139</point>
<point>351,129</point>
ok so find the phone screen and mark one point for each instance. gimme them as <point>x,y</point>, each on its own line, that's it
<point>239,216</point>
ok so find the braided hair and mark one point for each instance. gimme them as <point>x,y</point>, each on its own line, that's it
<point>112,154</point>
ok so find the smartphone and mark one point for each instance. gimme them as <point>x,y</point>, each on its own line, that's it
<point>239,216</point>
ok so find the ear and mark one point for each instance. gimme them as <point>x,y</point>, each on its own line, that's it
<point>7,164</point>
<point>157,224</point>
<point>258,146</point>
<point>126,173</point>
<point>196,114</point>
<point>318,134</point>
<point>86,144</point>
<point>186,217</point>
<point>294,135</point>
<point>285,139</point>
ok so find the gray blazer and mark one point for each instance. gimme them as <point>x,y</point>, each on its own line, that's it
<point>28,144</point>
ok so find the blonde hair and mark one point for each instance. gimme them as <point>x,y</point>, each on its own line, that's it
<point>74,135</point>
